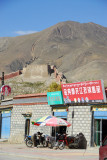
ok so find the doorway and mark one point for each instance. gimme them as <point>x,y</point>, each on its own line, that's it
<point>97,132</point>
<point>59,112</point>
<point>100,131</point>
<point>6,124</point>
<point>27,127</point>
<point>58,130</point>
<point>104,129</point>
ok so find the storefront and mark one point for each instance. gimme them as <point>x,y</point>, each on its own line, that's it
<point>55,100</point>
<point>79,104</point>
<point>99,124</point>
<point>87,98</point>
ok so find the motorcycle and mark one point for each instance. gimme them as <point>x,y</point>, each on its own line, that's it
<point>75,141</point>
<point>39,139</point>
<point>35,140</point>
<point>78,141</point>
<point>28,141</point>
<point>49,141</point>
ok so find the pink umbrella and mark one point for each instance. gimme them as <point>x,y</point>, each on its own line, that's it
<point>55,122</point>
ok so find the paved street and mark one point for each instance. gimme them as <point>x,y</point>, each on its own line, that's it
<point>20,151</point>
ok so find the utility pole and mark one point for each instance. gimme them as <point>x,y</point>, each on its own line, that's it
<point>2,83</point>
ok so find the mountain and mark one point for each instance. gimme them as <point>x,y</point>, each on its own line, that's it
<point>79,50</point>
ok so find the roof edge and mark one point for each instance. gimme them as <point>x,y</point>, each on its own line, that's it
<point>30,95</point>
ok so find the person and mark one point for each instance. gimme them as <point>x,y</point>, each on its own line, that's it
<point>34,139</point>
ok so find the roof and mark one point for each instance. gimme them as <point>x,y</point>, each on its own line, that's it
<point>30,96</point>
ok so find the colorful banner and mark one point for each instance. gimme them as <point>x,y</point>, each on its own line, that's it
<point>55,98</point>
<point>84,92</point>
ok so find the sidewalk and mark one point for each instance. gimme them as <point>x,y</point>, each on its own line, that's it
<point>3,140</point>
<point>48,154</point>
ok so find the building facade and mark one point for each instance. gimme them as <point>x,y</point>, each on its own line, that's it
<point>17,115</point>
<point>27,108</point>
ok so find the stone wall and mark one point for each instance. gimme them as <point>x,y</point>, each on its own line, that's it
<point>81,121</point>
<point>11,75</point>
<point>35,72</point>
<point>18,121</point>
<point>58,75</point>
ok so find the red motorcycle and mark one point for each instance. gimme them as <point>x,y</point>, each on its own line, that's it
<point>77,141</point>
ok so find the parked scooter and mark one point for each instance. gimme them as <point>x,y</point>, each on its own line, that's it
<point>28,141</point>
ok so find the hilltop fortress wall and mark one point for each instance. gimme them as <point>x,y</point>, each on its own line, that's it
<point>11,75</point>
<point>37,72</point>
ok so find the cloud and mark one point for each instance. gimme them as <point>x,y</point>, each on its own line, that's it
<point>24,32</point>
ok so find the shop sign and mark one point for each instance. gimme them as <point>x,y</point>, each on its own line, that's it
<point>59,110</point>
<point>55,98</point>
<point>84,92</point>
<point>6,111</point>
<point>99,109</point>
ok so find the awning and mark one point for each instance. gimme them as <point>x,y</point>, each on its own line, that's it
<point>100,114</point>
<point>60,114</point>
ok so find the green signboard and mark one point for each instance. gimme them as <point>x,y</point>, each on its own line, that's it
<point>55,98</point>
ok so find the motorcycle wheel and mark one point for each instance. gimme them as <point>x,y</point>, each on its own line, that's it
<point>29,143</point>
<point>45,144</point>
<point>55,145</point>
<point>51,144</point>
<point>77,144</point>
<point>61,145</point>
<point>71,146</point>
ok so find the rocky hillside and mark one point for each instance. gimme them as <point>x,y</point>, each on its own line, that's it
<point>78,50</point>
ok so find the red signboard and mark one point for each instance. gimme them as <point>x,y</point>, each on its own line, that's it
<point>84,92</point>
<point>5,90</point>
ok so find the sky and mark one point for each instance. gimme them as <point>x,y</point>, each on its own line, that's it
<point>20,17</point>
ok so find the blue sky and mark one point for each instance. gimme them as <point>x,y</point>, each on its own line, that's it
<point>18,17</point>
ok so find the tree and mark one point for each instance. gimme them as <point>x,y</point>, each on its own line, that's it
<point>54,87</point>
